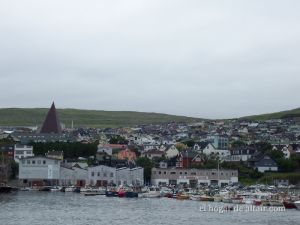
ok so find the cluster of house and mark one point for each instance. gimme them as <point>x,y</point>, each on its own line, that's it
<point>210,139</point>
<point>51,170</point>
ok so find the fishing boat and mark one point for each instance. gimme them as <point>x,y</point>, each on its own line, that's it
<point>91,193</point>
<point>182,196</point>
<point>131,194</point>
<point>111,193</point>
<point>297,204</point>
<point>121,193</point>
<point>70,189</point>
<point>289,204</point>
<point>5,189</point>
<point>195,197</point>
<point>275,203</point>
<point>218,198</point>
<point>227,199</point>
<point>206,198</point>
<point>237,200</point>
<point>55,188</point>
<point>45,188</point>
<point>151,192</point>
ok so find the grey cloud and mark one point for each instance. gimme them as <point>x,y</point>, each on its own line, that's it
<point>210,59</point>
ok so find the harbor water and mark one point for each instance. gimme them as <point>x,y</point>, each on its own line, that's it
<point>46,208</point>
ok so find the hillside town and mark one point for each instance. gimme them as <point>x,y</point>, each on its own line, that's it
<point>222,152</point>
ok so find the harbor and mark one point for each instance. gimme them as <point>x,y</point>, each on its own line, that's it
<point>255,195</point>
<point>72,208</point>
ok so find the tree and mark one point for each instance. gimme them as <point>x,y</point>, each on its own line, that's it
<point>181,147</point>
<point>147,164</point>
<point>117,139</point>
<point>238,144</point>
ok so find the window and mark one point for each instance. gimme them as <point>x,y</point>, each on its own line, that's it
<point>93,174</point>
<point>193,173</point>
<point>33,161</point>
<point>180,173</point>
<point>39,162</point>
<point>104,174</point>
<point>173,173</point>
<point>165,172</point>
<point>44,162</point>
<point>185,173</point>
<point>111,174</point>
<point>28,161</point>
<point>98,174</point>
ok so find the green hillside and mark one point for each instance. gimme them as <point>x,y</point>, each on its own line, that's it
<point>85,118</point>
<point>294,113</point>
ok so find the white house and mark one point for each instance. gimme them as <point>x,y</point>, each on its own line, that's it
<point>171,152</point>
<point>210,150</point>
<point>22,151</point>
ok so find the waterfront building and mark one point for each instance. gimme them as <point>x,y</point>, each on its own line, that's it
<point>101,176</point>
<point>105,175</point>
<point>73,176</point>
<point>39,171</point>
<point>193,177</point>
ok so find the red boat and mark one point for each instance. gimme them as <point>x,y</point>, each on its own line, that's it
<point>121,193</point>
<point>289,205</point>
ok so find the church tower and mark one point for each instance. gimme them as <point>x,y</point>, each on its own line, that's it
<point>51,123</point>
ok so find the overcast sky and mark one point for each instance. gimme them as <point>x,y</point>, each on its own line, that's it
<point>210,59</point>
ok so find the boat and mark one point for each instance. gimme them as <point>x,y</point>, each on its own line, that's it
<point>131,194</point>
<point>166,192</point>
<point>206,198</point>
<point>275,203</point>
<point>182,196</point>
<point>289,204</point>
<point>5,189</point>
<point>195,197</point>
<point>55,188</point>
<point>237,200</point>
<point>45,188</point>
<point>69,189</point>
<point>297,204</point>
<point>111,193</point>
<point>227,200</point>
<point>91,193</point>
<point>151,192</point>
<point>218,198</point>
<point>121,193</point>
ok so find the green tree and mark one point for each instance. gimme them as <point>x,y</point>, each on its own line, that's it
<point>147,164</point>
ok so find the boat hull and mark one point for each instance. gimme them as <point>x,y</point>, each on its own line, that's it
<point>111,194</point>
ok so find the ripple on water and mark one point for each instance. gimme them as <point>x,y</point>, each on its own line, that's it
<point>41,208</point>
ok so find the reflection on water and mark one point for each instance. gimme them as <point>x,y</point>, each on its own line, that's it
<point>42,208</point>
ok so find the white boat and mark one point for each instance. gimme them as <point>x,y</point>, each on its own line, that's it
<point>227,200</point>
<point>195,197</point>
<point>69,189</point>
<point>218,198</point>
<point>297,204</point>
<point>151,192</point>
<point>55,188</point>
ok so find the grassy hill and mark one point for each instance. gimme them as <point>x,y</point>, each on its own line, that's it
<point>85,118</point>
<point>294,113</point>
